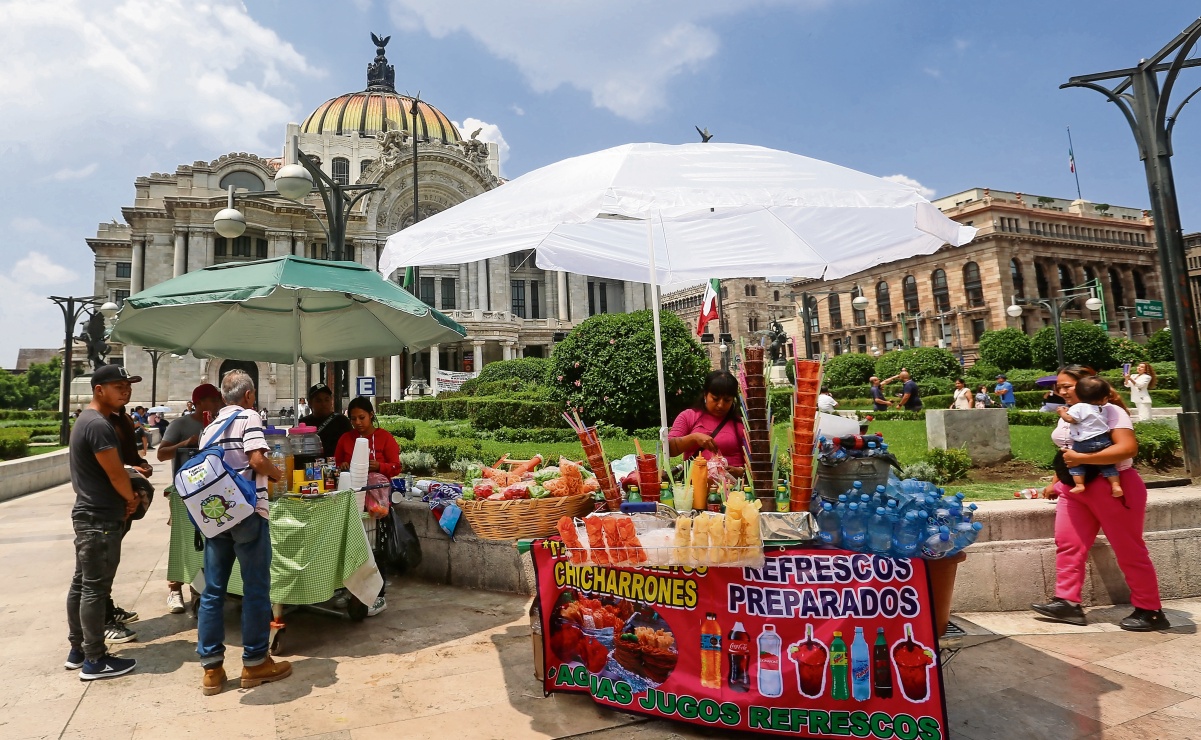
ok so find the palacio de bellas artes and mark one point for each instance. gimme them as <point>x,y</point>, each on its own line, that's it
<point>509,306</point>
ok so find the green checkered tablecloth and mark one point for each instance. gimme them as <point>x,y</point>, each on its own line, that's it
<point>318,545</point>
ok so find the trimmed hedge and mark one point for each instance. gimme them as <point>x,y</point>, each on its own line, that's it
<point>1157,443</point>
<point>14,443</point>
<point>780,401</point>
<point>401,429</point>
<point>17,414</point>
<point>483,413</point>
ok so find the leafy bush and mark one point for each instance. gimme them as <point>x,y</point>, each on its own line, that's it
<point>460,466</point>
<point>605,369</point>
<point>922,470</point>
<point>540,435</point>
<point>445,451</point>
<point>651,433</point>
<point>925,387</point>
<point>892,415</point>
<point>401,429</point>
<point>1006,348</point>
<point>1032,419</point>
<point>1159,347</point>
<point>780,402</point>
<point>952,464</point>
<point>482,412</point>
<point>1123,350</point>
<point>22,415</point>
<point>1157,443</point>
<point>848,369</point>
<point>53,438</point>
<point>981,372</point>
<point>526,369</point>
<point>415,461</point>
<point>922,363</point>
<point>14,443</point>
<point>1084,343</point>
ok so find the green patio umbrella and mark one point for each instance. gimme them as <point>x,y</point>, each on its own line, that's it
<point>284,309</point>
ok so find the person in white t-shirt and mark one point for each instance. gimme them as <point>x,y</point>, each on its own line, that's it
<point>1089,431</point>
<point>826,403</point>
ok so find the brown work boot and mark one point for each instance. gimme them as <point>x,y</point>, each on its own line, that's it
<point>213,681</point>
<point>265,672</point>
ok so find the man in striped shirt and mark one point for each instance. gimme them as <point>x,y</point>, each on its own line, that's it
<point>249,542</point>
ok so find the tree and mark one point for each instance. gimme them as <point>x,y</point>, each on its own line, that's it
<point>849,369</point>
<point>923,363</point>
<point>44,380</point>
<point>605,369</point>
<point>13,390</point>
<point>1008,349</point>
<point>1124,350</point>
<point>1159,346</point>
<point>1084,343</point>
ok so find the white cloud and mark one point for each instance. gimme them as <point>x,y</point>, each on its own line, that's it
<point>103,73</point>
<point>623,52</point>
<point>922,190</point>
<point>962,44</point>
<point>517,109</point>
<point>489,132</point>
<point>933,72</point>
<point>38,269</point>
<point>77,173</point>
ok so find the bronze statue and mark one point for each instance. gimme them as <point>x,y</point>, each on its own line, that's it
<point>380,74</point>
<point>779,338</point>
<point>92,335</point>
<point>705,135</point>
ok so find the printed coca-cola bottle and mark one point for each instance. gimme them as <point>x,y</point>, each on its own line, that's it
<point>738,647</point>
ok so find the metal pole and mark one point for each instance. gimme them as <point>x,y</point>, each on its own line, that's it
<point>1055,306</point>
<point>808,325</point>
<point>64,428</point>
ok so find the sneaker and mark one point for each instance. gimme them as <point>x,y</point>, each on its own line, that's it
<point>341,599</point>
<point>265,672</point>
<point>120,615</point>
<point>116,633</point>
<point>1145,620</point>
<point>175,602</point>
<point>379,605</point>
<point>74,660</point>
<point>213,681</point>
<point>1061,610</point>
<point>109,666</point>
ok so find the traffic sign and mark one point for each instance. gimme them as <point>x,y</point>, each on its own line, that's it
<point>364,385</point>
<point>1148,309</point>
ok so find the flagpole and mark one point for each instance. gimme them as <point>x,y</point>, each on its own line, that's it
<point>1072,157</point>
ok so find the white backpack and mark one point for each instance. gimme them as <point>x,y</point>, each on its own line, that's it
<point>217,497</point>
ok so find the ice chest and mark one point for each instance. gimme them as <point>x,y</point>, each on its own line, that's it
<point>833,480</point>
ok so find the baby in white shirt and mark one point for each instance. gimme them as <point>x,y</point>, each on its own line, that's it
<point>1089,432</point>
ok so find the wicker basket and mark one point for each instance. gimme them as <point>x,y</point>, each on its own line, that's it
<point>511,520</point>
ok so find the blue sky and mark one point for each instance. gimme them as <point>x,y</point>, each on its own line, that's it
<point>951,95</point>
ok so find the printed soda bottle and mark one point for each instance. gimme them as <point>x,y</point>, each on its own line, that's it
<point>771,681</point>
<point>861,668</point>
<point>838,667</point>
<point>739,649</point>
<point>711,652</point>
<point>881,673</point>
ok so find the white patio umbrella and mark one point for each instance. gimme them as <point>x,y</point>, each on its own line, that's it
<point>669,214</point>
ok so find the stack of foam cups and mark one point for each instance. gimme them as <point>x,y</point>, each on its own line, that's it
<point>595,455</point>
<point>758,433</point>
<point>649,477</point>
<point>358,469</point>
<point>804,424</point>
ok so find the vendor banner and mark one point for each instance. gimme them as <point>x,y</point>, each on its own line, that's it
<point>446,381</point>
<point>815,644</point>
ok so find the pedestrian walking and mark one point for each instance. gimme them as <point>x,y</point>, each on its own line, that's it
<point>963,395</point>
<point>104,501</point>
<point>249,543</point>
<point>983,400</point>
<point>1141,385</point>
<point>1004,391</point>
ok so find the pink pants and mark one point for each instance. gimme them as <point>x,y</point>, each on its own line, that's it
<point>1078,517</point>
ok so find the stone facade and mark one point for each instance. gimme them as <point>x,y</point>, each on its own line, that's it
<point>1192,250</point>
<point>1027,246</point>
<point>748,306</point>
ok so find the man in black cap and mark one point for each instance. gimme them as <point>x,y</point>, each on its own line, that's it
<point>330,426</point>
<point>104,501</point>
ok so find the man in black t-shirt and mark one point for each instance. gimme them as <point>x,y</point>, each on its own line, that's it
<point>911,398</point>
<point>879,402</point>
<point>330,426</point>
<point>104,501</point>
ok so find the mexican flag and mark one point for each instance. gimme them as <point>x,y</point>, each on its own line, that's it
<point>708,306</point>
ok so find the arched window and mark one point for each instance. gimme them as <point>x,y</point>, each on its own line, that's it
<point>860,315</point>
<point>754,291</point>
<point>1066,282</point>
<point>1019,282</point>
<point>1089,275</point>
<point>942,296</point>
<point>340,170</point>
<point>883,301</point>
<point>1040,279</point>
<point>1115,287</point>
<point>363,165</point>
<point>972,287</point>
<point>909,292</point>
<point>746,291</point>
<point>775,296</point>
<point>835,311</point>
<point>1140,288</point>
<point>242,180</point>
<point>815,324</point>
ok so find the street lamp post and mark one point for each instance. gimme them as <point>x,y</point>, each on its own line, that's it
<point>1144,103</point>
<point>1055,305</point>
<point>155,356</point>
<point>809,301</point>
<point>73,309</point>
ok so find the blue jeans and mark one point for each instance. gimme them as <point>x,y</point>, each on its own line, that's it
<point>1009,404</point>
<point>1094,444</point>
<point>97,555</point>
<point>250,543</point>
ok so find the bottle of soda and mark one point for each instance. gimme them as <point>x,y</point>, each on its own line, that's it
<point>881,670</point>
<point>771,681</point>
<point>739,650</point>
<point>861,668</point>
<point>634,496</point>
<point>748,492</point>
<point>711,652</point>
<point>838,667</point>
<point>714,502</point>
<point>666,496</point>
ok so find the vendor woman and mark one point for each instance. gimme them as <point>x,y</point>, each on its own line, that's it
<point>713,425</point>
<point>384,452</point>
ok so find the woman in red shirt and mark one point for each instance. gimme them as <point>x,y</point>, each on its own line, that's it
<point>713,425</point>
<point>384,452</point>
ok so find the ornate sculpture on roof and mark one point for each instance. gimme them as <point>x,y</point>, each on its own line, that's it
<point>380,74</point>
<point>92,335</point>
<point>473,148</point>
<point>391,145</point>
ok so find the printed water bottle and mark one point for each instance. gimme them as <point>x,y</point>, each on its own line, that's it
<point>861,668</point>
<point>854,529</point>
<point>771,681</point>
<point>829,528</point>
<point>965,534</point>
<point>937,546</point>
<point>879,532</point>
<point>907,534</point>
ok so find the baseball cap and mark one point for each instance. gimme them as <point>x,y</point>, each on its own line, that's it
<point>206,390</point>
<point>319,388</point>
<point>1001,377</point>
<point>113,374</point>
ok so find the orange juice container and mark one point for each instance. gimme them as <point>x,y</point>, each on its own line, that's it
<point>711,652</point>
<point>700,483</point>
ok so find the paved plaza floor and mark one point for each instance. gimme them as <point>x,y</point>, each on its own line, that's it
<point>446,663</point>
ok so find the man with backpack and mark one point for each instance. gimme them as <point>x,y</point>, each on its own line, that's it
<point>238,431</point>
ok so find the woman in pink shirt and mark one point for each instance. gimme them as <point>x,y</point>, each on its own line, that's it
<point>714,425</point>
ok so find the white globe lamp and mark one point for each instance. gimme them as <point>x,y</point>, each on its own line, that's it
<point>229,223</point>
<point>293,181</point>
<point>1015,310</point>
<point>859,302</point>
<point>1093,304</point>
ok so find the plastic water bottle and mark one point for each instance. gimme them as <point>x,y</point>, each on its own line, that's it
<point>937,546</point>
<point>861,668</point>
<point>906,536</point>
<point>969,513</point>
<point>829,528</point>
<point>771,680</point>
<point>841,507</point>
<point>892,511</point>
<point>854,529</point>
<point>855,491</point>
<point>965,534</point>
<point>879,532</point>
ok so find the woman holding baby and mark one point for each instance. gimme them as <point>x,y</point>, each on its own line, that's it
<point>1118,510</point>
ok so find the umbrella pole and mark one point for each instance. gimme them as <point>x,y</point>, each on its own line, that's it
<point>650,246</point>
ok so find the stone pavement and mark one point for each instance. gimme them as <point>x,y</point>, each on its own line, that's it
<point>444,662</point>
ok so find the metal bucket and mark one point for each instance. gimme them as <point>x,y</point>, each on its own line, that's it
<point>833,480</point>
